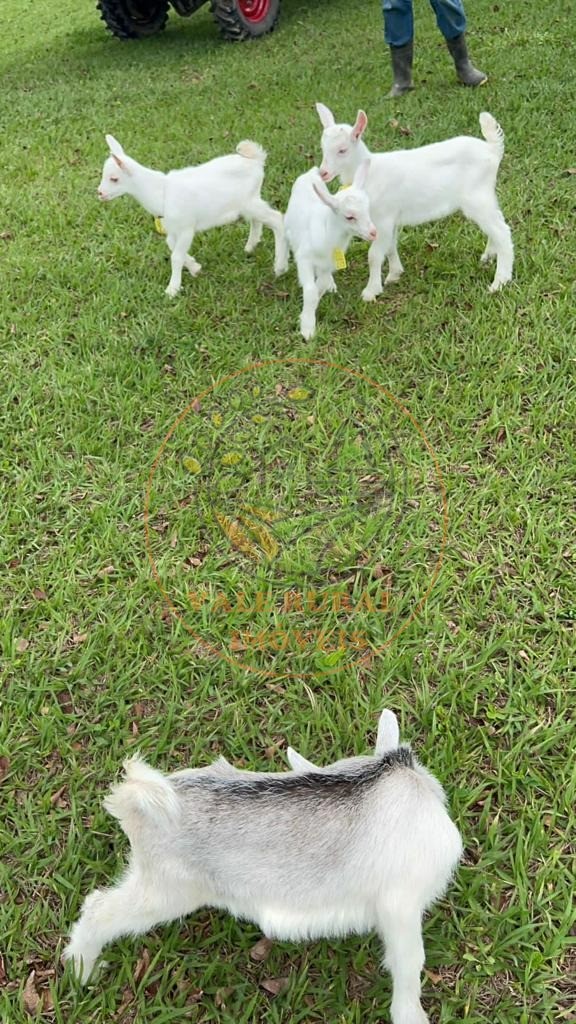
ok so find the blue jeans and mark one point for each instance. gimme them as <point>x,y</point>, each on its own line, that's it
<point>399,20</point>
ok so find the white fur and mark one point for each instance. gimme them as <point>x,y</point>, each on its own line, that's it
<point>362,844</point>
<point>318,223</point>
<point>414,186</point>
<point>198,198</point>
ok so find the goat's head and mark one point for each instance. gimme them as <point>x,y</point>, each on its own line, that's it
<point>351,205</point>
<point>341,152</point>
<point>116,172</point>
<point>388,739</point>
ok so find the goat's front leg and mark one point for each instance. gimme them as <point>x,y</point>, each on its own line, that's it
<point>376,253</point>
<point>130,908</point>
<point>395,268</point>
<point>257,209</point>
<point>401,930</point>
<point>179,246</point>
<point>311,297</point>
<point>326,283</point>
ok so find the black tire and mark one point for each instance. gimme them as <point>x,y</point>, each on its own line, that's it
<point>245,19</point>
<point>133,19</point>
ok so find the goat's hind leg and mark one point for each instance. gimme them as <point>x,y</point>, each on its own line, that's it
<point>256,209</point>
<point>254,236</point>
<point>130,908</point>
<point>490,219</point>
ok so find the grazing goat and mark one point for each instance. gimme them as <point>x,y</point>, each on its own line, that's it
<point>414,186</point>
<point>365,843</point>
<point>196,199</point>
<point>319,233</point>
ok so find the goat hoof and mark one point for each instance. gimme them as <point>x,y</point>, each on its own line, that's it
<point>486,257</point>
<point>307,332</point>
<point>281,268</point>
<point>392,278</point>
<point>368,295</point>
<point>172,291</point>
<point>194,268</point>
<point>497,285</point>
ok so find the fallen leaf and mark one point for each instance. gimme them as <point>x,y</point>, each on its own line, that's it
<point>298,394</point>
<point>31,997</point>
<point>3,975</point>
<point>261,951</point>
<point>196,405</point>
<point>436,979</point>
<point>107,570</point>
<point>78,638</point>
<point>56,798</point>
<point>64,699</point>
<point>22,645</point>
<point>192,465</point>
<point>231,459</point>
<point>275,985</point>
<point>147,425</point>
<point>142,966</point>
<point>4,766</point>
<point>40,595</point>
<point>135,729</point>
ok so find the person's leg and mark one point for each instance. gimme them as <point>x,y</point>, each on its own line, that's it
<point>451,20</point>
<point>399,33</point>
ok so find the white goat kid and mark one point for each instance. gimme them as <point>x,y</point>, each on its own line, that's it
<point>365,843</point>
<point>198,198</point>
<point>317,232</point>
<point>414,186</point>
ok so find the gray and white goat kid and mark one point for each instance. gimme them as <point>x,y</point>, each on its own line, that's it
<point>415,186</point>
<point>320,227</point>
<point>364,843</point>
<point>198,198</point>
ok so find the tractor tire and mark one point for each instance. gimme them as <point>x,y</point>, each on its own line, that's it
<point>133,19</point>
<point>245,19</point>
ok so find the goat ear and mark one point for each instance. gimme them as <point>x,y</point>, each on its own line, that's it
<point>326,116</point>
<point>325,196</point>
<point>361,174</point>
<point>116,151</point>
<point>388,733</point>
<point>299,763</point>
<point>359,125</point>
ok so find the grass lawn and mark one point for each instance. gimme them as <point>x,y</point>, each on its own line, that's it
<point>270,481</point>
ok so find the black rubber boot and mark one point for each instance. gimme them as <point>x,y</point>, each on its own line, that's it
<point>467,73</point>
<point>402,69</point>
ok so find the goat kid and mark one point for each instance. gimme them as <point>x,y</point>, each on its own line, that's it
<point>318,231</point>
<point>415,186</point>
<point>198,198</point>
<point>365,843</point>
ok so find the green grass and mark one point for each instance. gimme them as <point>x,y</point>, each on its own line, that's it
<point>97,366</point>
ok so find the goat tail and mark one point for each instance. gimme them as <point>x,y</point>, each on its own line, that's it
<point>252,151</point>
<point>144,797</point>
<point>493,133</point>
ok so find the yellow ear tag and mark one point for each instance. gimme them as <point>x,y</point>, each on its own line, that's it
<point>339,259</point>
<point>343,188</point>
<point>159,225</point>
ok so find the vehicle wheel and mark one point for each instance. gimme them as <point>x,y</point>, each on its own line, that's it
<point>134,19</point>
<point>245,19</point>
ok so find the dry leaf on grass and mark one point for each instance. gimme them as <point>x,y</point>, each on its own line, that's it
<point>274,986</point>
<point>31,998</point>
<point>22,645</point>
<point>261,951</point>
<point>39,594</point>
<point>142,966</point>
<point>4,766</point>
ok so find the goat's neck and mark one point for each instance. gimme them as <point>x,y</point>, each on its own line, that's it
<point>338,233</point>
<point>361,153</point>
<point>148,186</point>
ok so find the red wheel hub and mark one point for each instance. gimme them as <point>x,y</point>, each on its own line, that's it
<point>253,10</point>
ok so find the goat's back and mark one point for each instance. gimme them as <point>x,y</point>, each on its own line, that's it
<point>212,193</point>
<point>414,186</point>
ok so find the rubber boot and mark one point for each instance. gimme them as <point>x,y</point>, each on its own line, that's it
<point>401,69</point>
<point>467,73</point>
